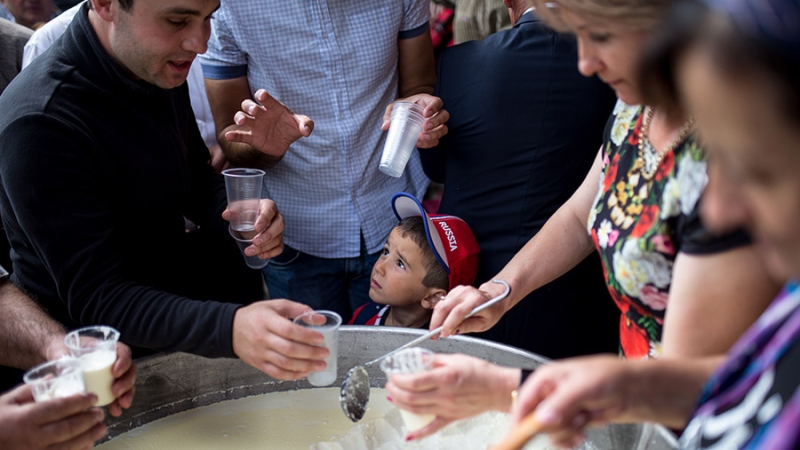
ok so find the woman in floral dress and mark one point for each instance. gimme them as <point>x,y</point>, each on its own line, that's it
<point>639,201</point>
<point>736,65</point>
<point>642,218</point>
<point>638,208</point>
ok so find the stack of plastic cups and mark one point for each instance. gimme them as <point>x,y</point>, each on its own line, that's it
<point>404,131</point>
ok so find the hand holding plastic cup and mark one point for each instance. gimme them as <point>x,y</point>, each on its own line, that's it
<point>404,130</point>
<point>96,348</point>
<point>243,187</point>
<point>55,379</point>
<point>327,323</point>
<point>410,360</point>
<point>244,239</point>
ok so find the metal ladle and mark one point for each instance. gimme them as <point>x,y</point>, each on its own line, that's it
<point>354,395</point>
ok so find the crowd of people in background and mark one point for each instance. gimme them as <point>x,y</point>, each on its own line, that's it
<point>625,166</point>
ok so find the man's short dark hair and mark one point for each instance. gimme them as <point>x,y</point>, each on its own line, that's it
<point>435,275</point>
<point>126,4</point>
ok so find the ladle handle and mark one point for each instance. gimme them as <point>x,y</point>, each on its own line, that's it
<point>520,435</point>
<point>438,330</point>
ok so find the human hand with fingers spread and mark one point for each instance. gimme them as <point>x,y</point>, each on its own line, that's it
<point>65,423</point>
<point>268,234</point>
<point>436,119</point>
<point>268,125</point>
<point>265,338</point>
<point>457,387</point>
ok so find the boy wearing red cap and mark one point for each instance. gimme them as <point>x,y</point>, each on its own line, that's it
<point>424,257</point>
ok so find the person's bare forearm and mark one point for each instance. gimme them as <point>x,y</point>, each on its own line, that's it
<point>560,245</point>
<point>28,336</point>
<point>416,66</point>
<point>667,391</point>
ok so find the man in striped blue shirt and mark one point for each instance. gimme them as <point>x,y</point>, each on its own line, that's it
<point>342,64</point>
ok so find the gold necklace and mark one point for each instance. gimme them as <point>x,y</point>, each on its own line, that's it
<point>643,141</point>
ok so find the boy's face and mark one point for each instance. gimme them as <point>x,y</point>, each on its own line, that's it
<point>398,273</point>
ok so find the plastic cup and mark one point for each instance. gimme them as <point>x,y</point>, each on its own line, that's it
<point>55,379</point>
<point>243,187</point>
<point>404,131</point>
<point>327,323</point>
<point>241,238</point>
<point>410,360</point>
<point>96,348</point>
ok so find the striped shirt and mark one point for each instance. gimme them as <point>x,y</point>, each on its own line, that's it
<point>753,401</point>
<point>336,62</point>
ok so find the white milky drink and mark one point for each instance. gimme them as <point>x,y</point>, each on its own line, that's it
<point>97,375</point>
<point>410,360</point>
<point>327,376</point>
<point>55,379</point>
<point>96,349</point>
<point>327,324</point>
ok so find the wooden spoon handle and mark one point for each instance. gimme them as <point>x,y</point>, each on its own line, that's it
<point>520,435</point>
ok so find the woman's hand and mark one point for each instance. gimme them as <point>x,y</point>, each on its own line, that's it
<point>458,387</point>
<point>459,302</point>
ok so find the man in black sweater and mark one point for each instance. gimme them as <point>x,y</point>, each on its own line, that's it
<point>101,160</point>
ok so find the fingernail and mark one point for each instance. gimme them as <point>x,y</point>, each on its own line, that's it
<point>97,414</point>
<point>408,438</point>
<point>458,332</point>
<point>257,241</point>
<point>389,397</point>
<point>428,126</point>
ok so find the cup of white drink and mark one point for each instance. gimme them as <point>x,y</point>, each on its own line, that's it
<point>96,348</point>
<point>410,360</point>
<point>55,379</point>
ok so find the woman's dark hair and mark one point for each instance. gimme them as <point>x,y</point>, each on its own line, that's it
<point>734,52</point>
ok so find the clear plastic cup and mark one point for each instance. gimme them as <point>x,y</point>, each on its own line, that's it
<point>243,187</point>
<point>244,239</point>
<point>96,348</point>
<point>55,379</point>
<point>327,323</point>
<point>410,360</point>
<point>404,131</point>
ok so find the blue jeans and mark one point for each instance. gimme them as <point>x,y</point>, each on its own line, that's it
<point>337,284</point>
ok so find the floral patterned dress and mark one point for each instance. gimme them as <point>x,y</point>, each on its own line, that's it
<point>640,225</point>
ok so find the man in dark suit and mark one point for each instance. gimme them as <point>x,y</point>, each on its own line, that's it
<point>524,129</point>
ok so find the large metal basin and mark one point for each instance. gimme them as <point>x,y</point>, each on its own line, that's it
<point>171,383</point>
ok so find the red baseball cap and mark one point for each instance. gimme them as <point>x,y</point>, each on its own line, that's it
<point>452,243</point>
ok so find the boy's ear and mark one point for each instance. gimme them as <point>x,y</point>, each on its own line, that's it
<point>433,298</point>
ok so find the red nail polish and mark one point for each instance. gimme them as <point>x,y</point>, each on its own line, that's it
<point>458,332</point>
<point>389,397</point>
<point>408,438</point>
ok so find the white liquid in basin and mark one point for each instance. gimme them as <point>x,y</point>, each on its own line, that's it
<point>96,367</point>
<point>308,419</point>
